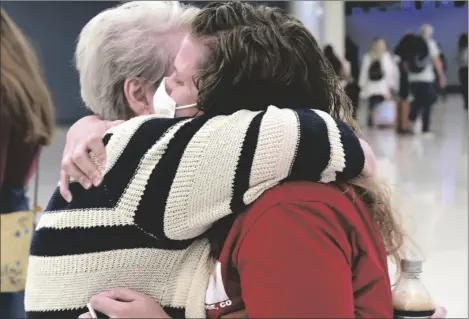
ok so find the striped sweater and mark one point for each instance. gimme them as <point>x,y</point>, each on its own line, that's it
<point>165,183</point>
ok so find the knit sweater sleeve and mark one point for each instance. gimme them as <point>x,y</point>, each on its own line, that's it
<point>199,170</point>
<point>175,177</point>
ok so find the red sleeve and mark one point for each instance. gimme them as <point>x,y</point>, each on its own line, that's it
<point>294,262</point>
<point>4,141</point>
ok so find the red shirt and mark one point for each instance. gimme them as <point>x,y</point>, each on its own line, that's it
<point>302,250</point>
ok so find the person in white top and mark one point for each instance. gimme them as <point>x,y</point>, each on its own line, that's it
<point>425,55</point>
<point>379,76</point>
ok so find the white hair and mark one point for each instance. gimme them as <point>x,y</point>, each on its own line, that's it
<point>426,31</point>
<point>124,42</point>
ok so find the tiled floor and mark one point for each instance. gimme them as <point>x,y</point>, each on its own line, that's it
<point>430,187</point>
<point>429,179</point>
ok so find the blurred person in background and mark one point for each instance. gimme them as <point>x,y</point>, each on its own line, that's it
<point>336,63</point>
<point>378,77</point>
<point>462,72</point>
<point>352,89</point>
<point>441,90</point>
<point>402,51</point>
<point>26,124</point>
<point>340,66</point>
<point>423,57</point>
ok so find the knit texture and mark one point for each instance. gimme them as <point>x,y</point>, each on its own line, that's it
<point>165,183</point>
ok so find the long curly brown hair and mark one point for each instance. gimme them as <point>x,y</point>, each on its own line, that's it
<point>261,56</point>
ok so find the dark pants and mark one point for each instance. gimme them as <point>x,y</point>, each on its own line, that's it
<point>424,94</point>
<point>463,82</point>
<point>403,82</point>
<point>372,102</point>
<point>353,92</point>
<point>11,200</point>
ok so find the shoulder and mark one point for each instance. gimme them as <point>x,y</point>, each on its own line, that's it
<point>301,205</point>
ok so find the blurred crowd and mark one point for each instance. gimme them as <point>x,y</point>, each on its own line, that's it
<point>399,85</point>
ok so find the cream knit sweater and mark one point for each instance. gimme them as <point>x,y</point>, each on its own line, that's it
<point>166,182</point>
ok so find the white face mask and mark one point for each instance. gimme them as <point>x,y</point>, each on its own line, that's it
<point>164,105</point>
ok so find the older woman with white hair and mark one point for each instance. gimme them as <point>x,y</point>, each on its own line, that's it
<point>122,55</point>
<point>379,76</point>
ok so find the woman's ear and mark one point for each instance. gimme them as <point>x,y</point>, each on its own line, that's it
<point>136,93</point>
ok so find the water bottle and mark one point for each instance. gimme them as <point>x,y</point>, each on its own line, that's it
<point>410,297</point>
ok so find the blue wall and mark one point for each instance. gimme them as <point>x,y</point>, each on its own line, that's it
<point>53,28</point>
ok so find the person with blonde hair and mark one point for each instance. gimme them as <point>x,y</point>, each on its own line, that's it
<point>378,76</point>
<point>26,124</point>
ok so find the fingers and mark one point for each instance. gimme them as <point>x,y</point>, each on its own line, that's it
<point>82,158</point>
<point>108,306</point>
<point>85,315</point>
<point>70,169</point>
<point>124,294</point>
<point>96,146</point>
<point>64,190</point>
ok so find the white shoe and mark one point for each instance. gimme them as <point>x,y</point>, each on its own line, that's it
<point>427,134</point>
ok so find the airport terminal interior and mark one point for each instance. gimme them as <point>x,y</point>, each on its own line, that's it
<point>427,173</point>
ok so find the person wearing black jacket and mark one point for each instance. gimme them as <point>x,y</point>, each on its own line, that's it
<point>462,59</point>
<point>403,50</point>
<point>352,89</point>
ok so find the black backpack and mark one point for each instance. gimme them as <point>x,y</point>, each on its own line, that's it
<point>375,72</point>
<point>419,55</point>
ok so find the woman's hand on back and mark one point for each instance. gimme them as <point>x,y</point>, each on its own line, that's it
<point>125,303</point>
<point>83,137</point>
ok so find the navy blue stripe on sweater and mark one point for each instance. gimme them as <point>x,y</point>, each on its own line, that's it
<point>75,241</point>
<point>116,180</point>
<point>313,151</point>
<point>150,211</point>
<point>243,168</point>
<point>119,176</point>
<point>354,156</point>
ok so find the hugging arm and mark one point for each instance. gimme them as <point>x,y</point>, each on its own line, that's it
<point>196,171</point>
<point>85,137</point>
